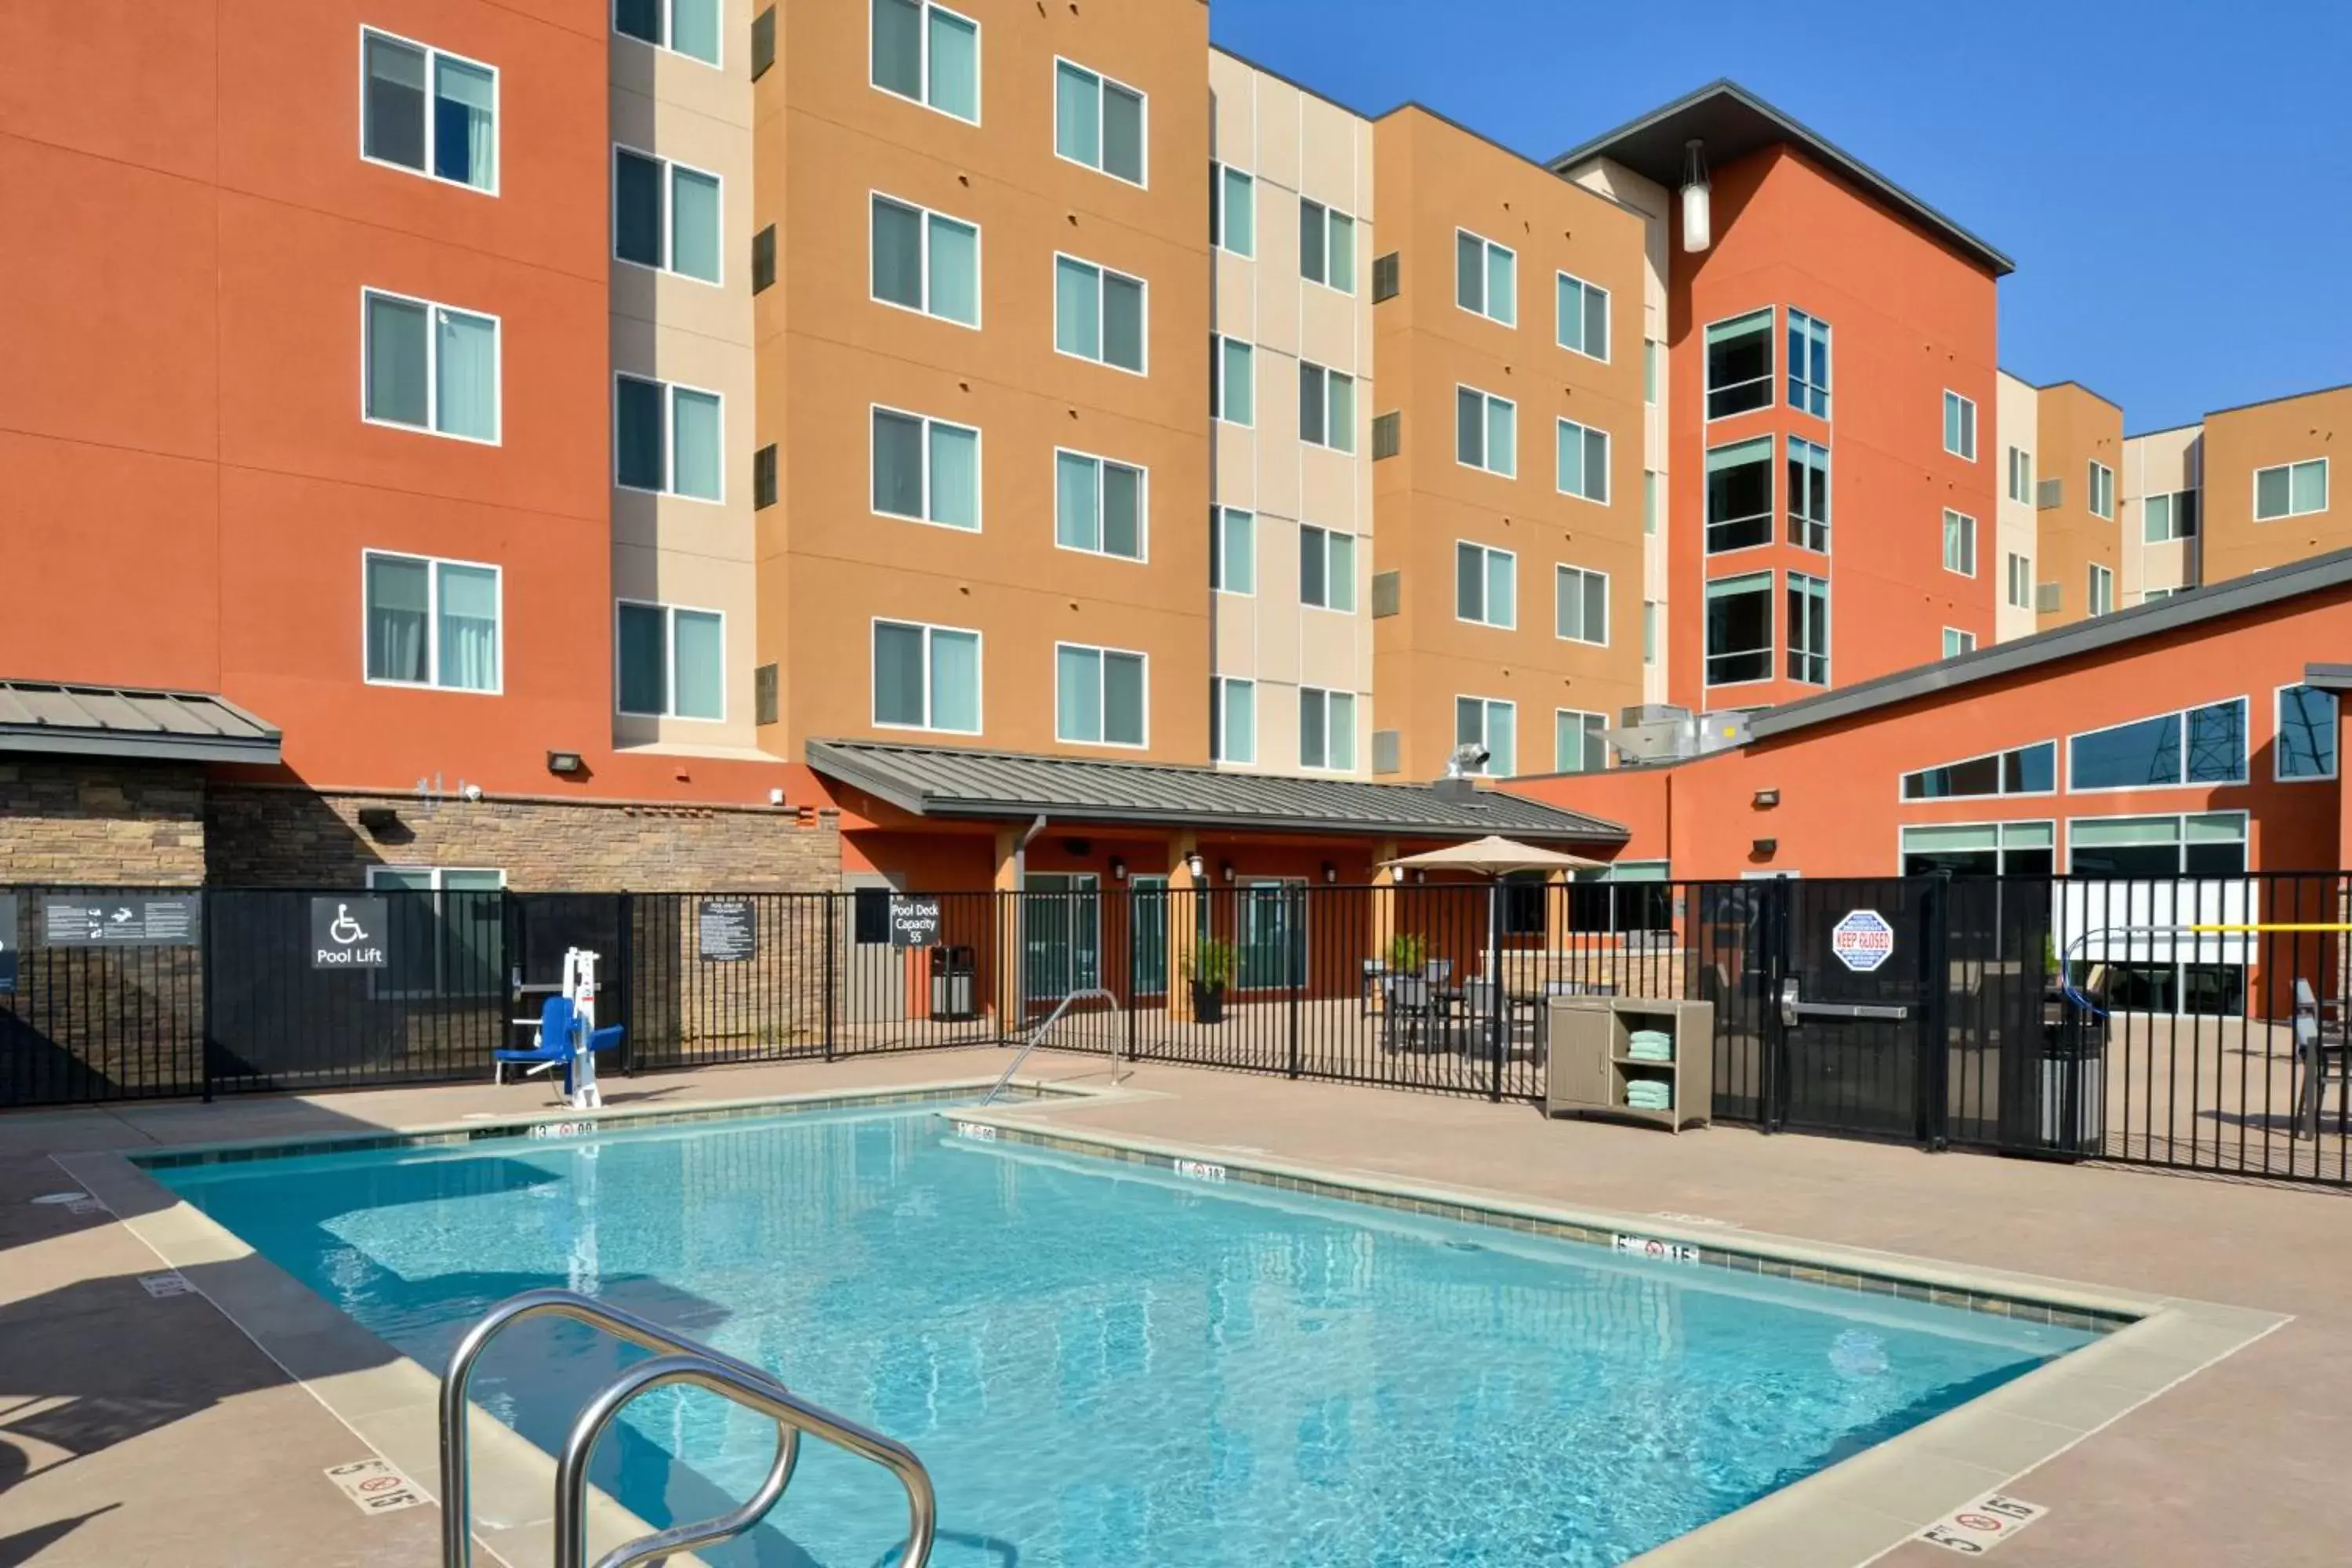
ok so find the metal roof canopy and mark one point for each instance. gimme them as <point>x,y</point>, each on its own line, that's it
<point>2236,595</point>
<point>948,782</point>
<point>1733,123</point>
<point>138,723</point>
<point>2329,676</point>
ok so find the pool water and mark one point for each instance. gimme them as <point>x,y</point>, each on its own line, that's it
<point>1107,1366</point>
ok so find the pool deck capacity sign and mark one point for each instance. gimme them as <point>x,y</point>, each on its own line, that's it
<point>1863,940</point>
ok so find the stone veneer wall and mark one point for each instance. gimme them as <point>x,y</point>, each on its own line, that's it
<point>263,836</point>
<point>69,822</point>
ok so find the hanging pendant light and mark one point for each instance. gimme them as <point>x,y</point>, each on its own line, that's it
<point>1698,217</point>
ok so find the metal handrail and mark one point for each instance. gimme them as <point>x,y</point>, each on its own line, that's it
<point>720,1373</point>
<point>1038,1034</point>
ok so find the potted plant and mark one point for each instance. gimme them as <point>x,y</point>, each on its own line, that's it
<point>1210,967</point>
<point>1406,951</point>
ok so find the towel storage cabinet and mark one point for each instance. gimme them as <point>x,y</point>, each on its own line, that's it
<point>1595,1072</point>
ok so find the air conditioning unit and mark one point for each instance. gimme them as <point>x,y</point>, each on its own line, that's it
<point>1663,733</point>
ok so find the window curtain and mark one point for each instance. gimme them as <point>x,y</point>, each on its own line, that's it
<point>955,270</point>
<point>694,28</point>
<point>898,46</point>
<point>645,660</point>
<point>1237,737</point>
<point>396,389</point>
<point>701,662</point>
<point>1469,272</point>
<point>469,628</point>
<point>1122,323</point>
<point>699,440</point>
<point>955,476</point>
<point>1077,113</point>
<point>1340,584</point>
<point>1502,438</point>
<point>1339,263</point>
<point>1076,525</point>
<point>1077,308</point>
<point>898,465</point>
<point>955,65</point>
<point>1502,286</point>
<point>1339,736</point>
<point>1123,699</point>
<point>955,681</point>
<point>1122,135</point>
<point>394,129</point>
<point>467,374</point>
<point>1572,458</point>
<point>1502,589</point>
<point>1240,213</point>
<point>1237,559</point>
<point>1078,694</point>
<point>1122,512</point>
<point>694,224</point>
<point>1240,383</point>
<point>898,675</point>
<point>464,129</point>
<point>398,600</point>
<point>1340,430</point>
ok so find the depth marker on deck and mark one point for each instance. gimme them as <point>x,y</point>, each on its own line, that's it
<point>375,1487</point>
<point>1978,1527</point>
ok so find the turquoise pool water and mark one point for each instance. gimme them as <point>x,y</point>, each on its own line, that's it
<point>1110,1367</point>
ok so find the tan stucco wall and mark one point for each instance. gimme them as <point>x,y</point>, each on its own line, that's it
<point>2161,462</point>
<point>2016,420</point>
<point>1294,145</point>
<point>1432,178</point>
<point>2076,426</point>
<point>691,554</point>
<point>828,564</point>
<point>2288,430</point>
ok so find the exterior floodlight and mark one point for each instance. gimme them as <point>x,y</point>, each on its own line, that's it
<point>1698,217</point>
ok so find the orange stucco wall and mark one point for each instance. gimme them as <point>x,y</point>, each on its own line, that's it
<point>2288,430</point>
<point>1840,813</point>
<point>190,481</point>
<point>2077,427</point>
<point>1909,317</point>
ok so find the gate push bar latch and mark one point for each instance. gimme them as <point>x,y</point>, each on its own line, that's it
<point>1794,1009</point>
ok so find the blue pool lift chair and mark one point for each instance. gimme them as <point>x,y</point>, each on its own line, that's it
<point>555,1043</point>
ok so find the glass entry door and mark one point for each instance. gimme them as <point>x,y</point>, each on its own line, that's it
<point>1273,933</point>
<point>1148,925</point>
<point>1060,934</point>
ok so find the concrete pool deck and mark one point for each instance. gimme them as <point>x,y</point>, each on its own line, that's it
<point>134,1429</point>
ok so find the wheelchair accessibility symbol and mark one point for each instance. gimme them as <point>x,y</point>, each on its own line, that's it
<point>348,932</point>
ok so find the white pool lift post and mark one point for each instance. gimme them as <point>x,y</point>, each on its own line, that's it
<point>579,990</point>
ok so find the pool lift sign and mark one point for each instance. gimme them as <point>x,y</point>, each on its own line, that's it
<point>1863,940</point>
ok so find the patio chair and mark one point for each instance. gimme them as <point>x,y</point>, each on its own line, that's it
<point>552,1046</point>
<point>1408,1011</point>
<point>1375,971</point>
<point>1480,1002</point>
<point>2323,1055</point>
<point>1437,970</point>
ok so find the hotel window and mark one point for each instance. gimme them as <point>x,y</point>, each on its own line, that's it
<point>1809,494</point>
<point>926,261</point>
<point>1486,585</point>
<point>1233,561</point>
<point>429,367</point>
<point>2168,517</point>
<point>1097,315</point>
<point>1808,364</point>
<point>667,439</point>
<point>1097,123</point>
<point>1099,506</point>
<point>1650,500</point>
<point>1327,247</point>
<point>1097,695</point>
<point>665,216</point>
<point>2102,590</point>
<point>1739,629</point>
<point>1485,721</point>
<point>2103,492</point>
<point>431,622</point>
<point>1808,629</point>
<point>1958,642</point>
<point>2021,475</point>
<point>447,130</point>
<point>2208,843</point>
<point>926,678</point>
<point>1581,462</point>
<point>1232,719</point>
<point>1577,746</point>
<point>1486,278</point>
<point>688,27</point>
<point>1628,896</point>
<point>1486,432</point>
<point>1232,210</point>
<point>2290,489</point>
<point>1581,317</point>
<point>2306,733</point>
<point>1326,407</point>
<point>1959,542</point>
<point>2203,745</point>
<point>1326,730</point>
<point>673,662</point>
<point>1580,605</point>
<point>2020,582</point>
<point>2023,770</point>
<point>1327,569</point>
<point>1959,426</point>
<point>1980,849</point>
<point>926,470</point>
<point>1739,364</point>
<point>1653,353</point>
<point>1739,495</point>
<point>1232,385</point>
<point>929,54</point>
<point>1649,631</point>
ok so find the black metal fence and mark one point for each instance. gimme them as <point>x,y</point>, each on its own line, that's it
<point>2192,1022</point>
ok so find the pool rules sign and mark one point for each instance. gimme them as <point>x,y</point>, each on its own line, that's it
<point>1863,940</point>
<point>347,933</point>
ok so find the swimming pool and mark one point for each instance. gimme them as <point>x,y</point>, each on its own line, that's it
<point>1104,1365</point>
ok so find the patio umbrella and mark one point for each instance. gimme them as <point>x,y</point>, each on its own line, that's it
<point>1494,859</point>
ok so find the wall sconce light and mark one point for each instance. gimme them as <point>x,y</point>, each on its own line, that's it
<point>1225,870</point>
<point>1194,864</point>
<point>1419,875</point>
<point>1330,873</point>
<point>1766,799</point>
<point>1765,847</point>
<point>565,762</point>
<point>376,818</point>
<point>1117,869</point>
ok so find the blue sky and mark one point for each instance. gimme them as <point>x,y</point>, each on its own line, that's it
<point>2174,180</point>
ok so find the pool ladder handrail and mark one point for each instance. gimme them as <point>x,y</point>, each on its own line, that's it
<point>676,1361</point>
<point>1037,1033</point>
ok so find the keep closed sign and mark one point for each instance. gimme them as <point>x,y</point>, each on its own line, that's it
<point>349,932</point>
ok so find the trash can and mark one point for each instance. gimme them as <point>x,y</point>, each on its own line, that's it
<point>2073,1088</point>
<point>955,982</point>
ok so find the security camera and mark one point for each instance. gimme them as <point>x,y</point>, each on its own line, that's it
<point>472,791</point>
